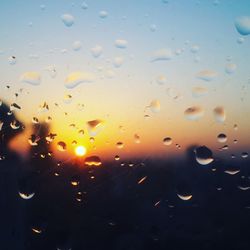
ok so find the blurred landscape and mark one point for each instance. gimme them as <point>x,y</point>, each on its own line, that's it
<point>124,125</point>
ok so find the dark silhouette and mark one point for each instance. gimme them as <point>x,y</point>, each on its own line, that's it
<point>76,207</point>
<point>13,213</point>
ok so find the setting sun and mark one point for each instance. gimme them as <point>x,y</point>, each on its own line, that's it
<point>80,150</point>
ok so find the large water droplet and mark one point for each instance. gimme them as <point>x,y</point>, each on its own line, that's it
<point>203,155</point>
<point>93,161</point>
<point>95,126</point>
<point>242,24</point>
<point>33,78</point>
<point>207,75</point>
<point>76,78</point>
<point>68,20</point>
<point>162,54</point>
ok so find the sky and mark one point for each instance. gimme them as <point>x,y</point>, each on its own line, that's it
<point>142,88</point>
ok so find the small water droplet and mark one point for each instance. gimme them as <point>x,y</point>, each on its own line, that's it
<point>61,146</point>
<point>222,138</point>
<point>167,141</point>
<point>194,113</point>
<point>119,145</point>
<point>219,114</point>
<point>121,43</point>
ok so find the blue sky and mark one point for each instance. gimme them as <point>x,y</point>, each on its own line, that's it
<point>27,31</point>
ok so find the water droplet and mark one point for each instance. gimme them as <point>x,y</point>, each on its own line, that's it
<point>142,180</point>
<point>162,54</point>
<point>95,126</point>
<point>219,114</point>
<point>76,78</point>
<point>52,71</point>
<point>33,78</point>
<point>199,91</point>
<point>242,25</point>
<point>194,49</point>
<point>235,127</point>
<point>14,106</point>
<point>50,137</point>
<point>81,132</point>
<point>184,197</point>
<point>67,99</point>
<point>119,145</point>
<point>153,27</point>
<point>244,155</point>
<point>61,146</point>
<point>75,180</point>
<point>42,7</point>
<point>155,106</point>
<point>91,139</point>
<point>194,113</point>
<point>167,141</point>
<point>117,157</point>
<point>93,161</point>
<point>240,40</point>
<point>103,14</point>
<point>26,195</point>
<point>84,6</point>
<point>15,125</point>
<point>137,138</point>
<point>232,171</point>
<point>68,20</point>
<point>230,68</point>
<point>203,155</point>
<point>33,140</point>
<point>96,51</point>
<point>207,75</point>
<point>12,60</point>
<point>35,120</point>
<point>121,43</point>
<point>76,46</point>
<point>118,61</point>
<point>222,138</point>
<point>161,79</point>
<point>225,147</point>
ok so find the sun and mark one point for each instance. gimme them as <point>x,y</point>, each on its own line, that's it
<point>80,150</point>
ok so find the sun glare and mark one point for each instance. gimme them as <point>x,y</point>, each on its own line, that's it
<point>80,150</point>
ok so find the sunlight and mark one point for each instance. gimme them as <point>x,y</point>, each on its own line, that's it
<point>80,150</point>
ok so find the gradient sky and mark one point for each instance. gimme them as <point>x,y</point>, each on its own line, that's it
<point>37,38</point>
